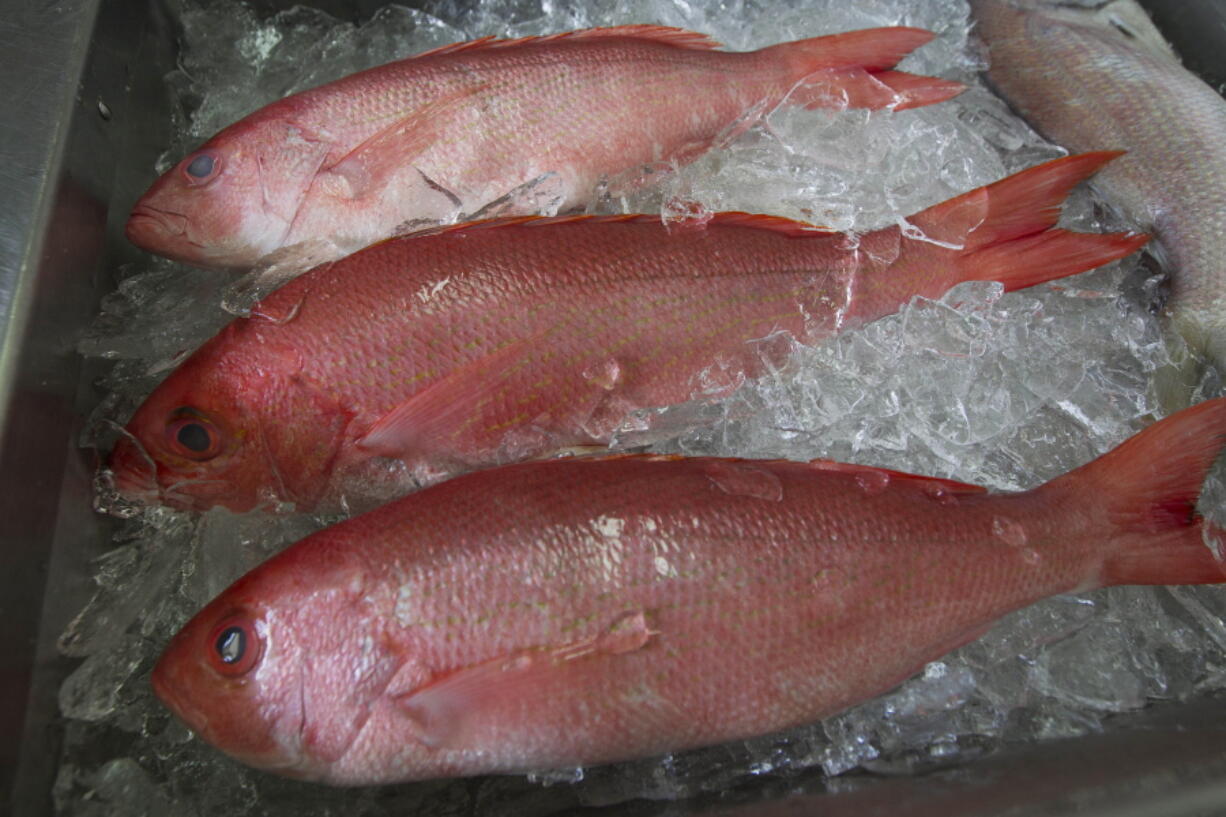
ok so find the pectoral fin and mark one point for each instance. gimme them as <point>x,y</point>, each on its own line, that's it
<point>432,418</point>
<point>520,388</point>
<point>368,167</point>
<point>468,708</point>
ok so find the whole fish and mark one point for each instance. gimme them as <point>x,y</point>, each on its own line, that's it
<point>1100,77</point>
<point>504,340</point>
<point>575,612</point>
<point>514,125</point>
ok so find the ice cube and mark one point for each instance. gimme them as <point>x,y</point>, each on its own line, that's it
<point>1091,669</point>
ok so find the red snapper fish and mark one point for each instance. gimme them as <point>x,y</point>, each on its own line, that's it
<point>1100,77</point>
<point>576,612</point>
<point>491,342</point>
<point>504,124</point>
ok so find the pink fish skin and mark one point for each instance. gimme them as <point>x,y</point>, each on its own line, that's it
<point>575,612</point>
<point>447,133</point>
<point>498,341</point>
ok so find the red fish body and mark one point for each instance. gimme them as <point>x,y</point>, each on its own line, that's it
<point>453,131</point>
<point>499,341</point>
<point>575,612</point>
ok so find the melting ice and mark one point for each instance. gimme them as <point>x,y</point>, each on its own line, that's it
<point>1002,390</point>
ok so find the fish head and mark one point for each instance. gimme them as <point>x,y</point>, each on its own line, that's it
<point>282,670</point>
<point>232,202</point>
<point>232,429</point>
<point>226,677</point>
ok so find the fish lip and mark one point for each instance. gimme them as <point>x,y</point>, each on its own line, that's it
<point>143,216</point>
<point>134,485</point>
<point>133,474</point>
<point>127,478</point>
<point>164,689</point>
<point>151,222</point>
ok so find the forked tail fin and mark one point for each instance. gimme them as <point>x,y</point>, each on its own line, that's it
<point>852,70</point>
<point>1149,486</point>
<point>1003,232</point>
<point>1007,229</point>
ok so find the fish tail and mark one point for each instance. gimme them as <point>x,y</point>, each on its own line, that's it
<point>1006,230</point>
<point>1001,232</point>
<point>852,70</point>
<point>916,91</point>
<point>1024,262</point>
<point>1149,487</point>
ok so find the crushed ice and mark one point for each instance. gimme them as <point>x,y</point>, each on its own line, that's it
<point>1003,390</point>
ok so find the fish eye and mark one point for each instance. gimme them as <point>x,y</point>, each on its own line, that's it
<point>202,167</point>
<point>234,646</point>
<point>192,436</point>
<point>231,645</point>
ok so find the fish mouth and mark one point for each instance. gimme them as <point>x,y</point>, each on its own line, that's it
<point>122,495</point>
<point>145,219</point>
<point>167,689</point>
<point>131,479</point>
<point>129,476</point>
<point>163,232</point>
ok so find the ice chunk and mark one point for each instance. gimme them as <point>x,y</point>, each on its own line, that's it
<point>119,786</point>
<point>91,693</point>
<point>1091,669</point>
<point>233,61</point>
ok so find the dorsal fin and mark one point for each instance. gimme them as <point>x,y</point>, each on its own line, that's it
<point>952,486</point>
<point>679,37</point>
<point>779,224</point>
<point>786,226</point>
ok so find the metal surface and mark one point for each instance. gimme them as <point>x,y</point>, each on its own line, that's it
<point>69,172</point>
<point>62,64</point>
<point>42,50</point>
<point>1166,762</point>
<point>1197,29</point>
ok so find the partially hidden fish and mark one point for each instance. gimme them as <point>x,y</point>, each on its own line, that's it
<point>512,126</point>
<point>1099,76</point>
<point>498,341</point>
<point>574,612</point>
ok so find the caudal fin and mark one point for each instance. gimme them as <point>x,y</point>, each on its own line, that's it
<point>1149,487</point>
<point>1033,259</point>
<point>1001,232</point>
<point>1007,229</point>
<point>1016,206</point>
<point>852,70</point>
<point>915,91</point>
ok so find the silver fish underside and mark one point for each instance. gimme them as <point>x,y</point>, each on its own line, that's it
<point>1098,75</point>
